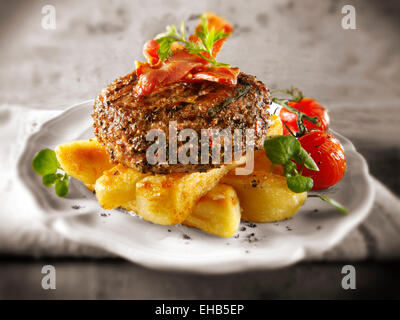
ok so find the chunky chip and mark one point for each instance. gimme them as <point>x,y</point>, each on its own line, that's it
<point>264,196</point>
<point>85,160</point>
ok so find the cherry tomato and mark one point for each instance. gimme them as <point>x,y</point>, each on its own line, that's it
<point>311,108</point>
<point>329,156</point>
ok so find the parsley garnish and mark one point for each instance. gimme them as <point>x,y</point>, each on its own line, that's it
<point>45,163</point>
<point>207,40</point>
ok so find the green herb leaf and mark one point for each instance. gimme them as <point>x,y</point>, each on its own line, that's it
<point>208,37</point>
<point>287,151</point>
<point>290,169</point>
<point>49,179</point>
<point>299,183</point>
<point>170,32</point>
<point>331,201</point>
<point>194,47</point>
<point>304,157</point>
<point>62,186</point>
<point>183,29</point>
<point>45,162</point>
<point>281,149</point>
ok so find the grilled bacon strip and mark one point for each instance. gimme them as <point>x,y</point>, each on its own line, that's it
<point>182,65</point>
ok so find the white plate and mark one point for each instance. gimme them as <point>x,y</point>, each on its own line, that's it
<point>273,245</point>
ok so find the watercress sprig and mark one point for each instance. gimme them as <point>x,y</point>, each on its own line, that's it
<point>287,151</point>
<point>207,39</point>
<point>45,164</point>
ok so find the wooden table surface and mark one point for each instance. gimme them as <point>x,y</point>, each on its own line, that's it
<point>355,73</point>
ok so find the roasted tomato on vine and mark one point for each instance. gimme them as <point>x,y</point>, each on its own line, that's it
<point>309,107</point>
<point>329,156</point>
<point>314,115</point>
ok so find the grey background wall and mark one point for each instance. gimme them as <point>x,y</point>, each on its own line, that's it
<point>282,42</point>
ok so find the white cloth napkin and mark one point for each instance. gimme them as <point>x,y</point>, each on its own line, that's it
<point>22,232</point>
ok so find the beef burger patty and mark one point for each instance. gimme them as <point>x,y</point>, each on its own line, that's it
<point>122,120</point>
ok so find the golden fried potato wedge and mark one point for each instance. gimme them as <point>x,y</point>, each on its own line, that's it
<point>218,212</point>
<point>117,186</point>
<point>169,199</point>
<point>264,196</point>
<point>85,160</point>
